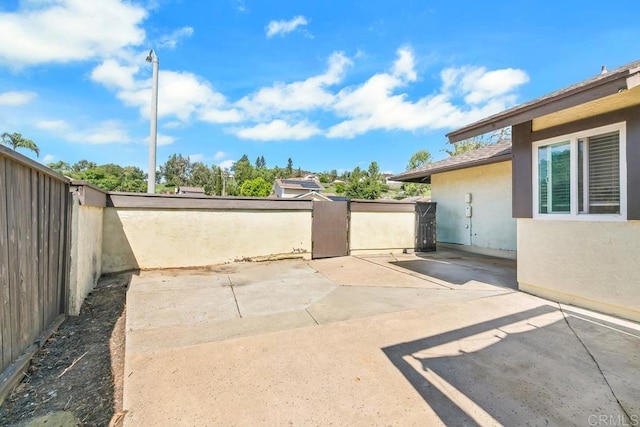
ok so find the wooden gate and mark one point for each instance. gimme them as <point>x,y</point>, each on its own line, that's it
<point>330,231</point>
<point>425,227</point>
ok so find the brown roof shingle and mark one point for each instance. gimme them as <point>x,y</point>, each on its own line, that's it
<point>492,153</point>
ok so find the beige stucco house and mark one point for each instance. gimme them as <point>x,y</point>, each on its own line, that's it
<point>576,191</point>
<point>473,195</point>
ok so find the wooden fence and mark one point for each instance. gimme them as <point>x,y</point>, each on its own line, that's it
<point>35,217</point>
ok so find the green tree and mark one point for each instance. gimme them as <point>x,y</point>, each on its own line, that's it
<point>367,184</point>
<point>177,170</point>
<point>256,187</point>
<point>61,167</point>
<point>133,180</point>
<point>16,140</point>
<point>200,175</point>
<point>242,169</point>
<point>289,167</point>
<point>82,166</point>
<point>340,188</point>
<point>419,158</point>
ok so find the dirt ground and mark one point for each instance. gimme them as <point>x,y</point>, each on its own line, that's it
<point>80,368</point>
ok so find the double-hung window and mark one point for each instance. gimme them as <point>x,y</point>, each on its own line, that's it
<point>581,176</point>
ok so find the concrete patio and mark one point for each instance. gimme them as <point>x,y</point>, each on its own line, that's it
<point>438,339</point>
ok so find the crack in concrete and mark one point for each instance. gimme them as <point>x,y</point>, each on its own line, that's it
<point>311,315</point>
<point>234,296</point>
<point>604,377</point>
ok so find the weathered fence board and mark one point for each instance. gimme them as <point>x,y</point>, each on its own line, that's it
<point>5,313</point>
<point>34,258</point>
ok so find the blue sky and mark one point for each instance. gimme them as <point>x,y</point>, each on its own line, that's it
<point>331,84</point>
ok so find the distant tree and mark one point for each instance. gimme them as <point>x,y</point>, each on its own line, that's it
<point>256,187</point>
<point>242,169</point>
<point>260,163</point>
<point>200,175</point>
<point>289,167</point>
<point>16,140</point>
<point>133,180</point>
<point>476,142</point>
<point>365,184</point>
<point>177,170</point>
<point>340,188</point>
<point>299,173</point>
<point>419,158</point>
<point>61,167</point>
<point>82,166</point>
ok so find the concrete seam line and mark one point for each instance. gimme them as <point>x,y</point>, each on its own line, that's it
<point>564,315</point>
<point>404,272</point>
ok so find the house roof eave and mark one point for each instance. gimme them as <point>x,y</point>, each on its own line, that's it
<point>615,81</point>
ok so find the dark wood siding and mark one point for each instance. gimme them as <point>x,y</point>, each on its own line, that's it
<point>633,165</point>
<point>522,197</point>
<point>34,253</point>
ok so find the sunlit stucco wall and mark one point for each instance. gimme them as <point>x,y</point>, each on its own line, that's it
<point>380,232</point>
<point>170,238</point>
<point>86,253</point>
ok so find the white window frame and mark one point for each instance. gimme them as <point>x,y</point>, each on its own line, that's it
<point>573,138</point>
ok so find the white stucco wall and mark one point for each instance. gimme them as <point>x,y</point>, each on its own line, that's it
<point>591,264</point>
<point>380,232</point>
<point>170,238</point>
<point>86,253</point>
<point>491,229</point>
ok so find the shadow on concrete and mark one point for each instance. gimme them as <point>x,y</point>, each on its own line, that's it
<point>527,368</point>
<point>458,269</point>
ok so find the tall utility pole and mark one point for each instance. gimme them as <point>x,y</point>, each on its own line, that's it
<point>153,137</point>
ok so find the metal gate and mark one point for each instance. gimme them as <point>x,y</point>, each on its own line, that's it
<point>330,230</point>
<point>425,227</point>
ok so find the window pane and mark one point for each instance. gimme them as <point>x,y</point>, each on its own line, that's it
<point>604,174</point>
<point>560,178</point>
<point>580,175</point>
<point>543,179</point>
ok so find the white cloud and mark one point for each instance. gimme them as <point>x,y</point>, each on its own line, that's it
<point>227,164</point>
<point>162,139</point>
<point>106,132</point>
<point>48,158</point>
<point>278,130</point>
<point>170,41</point>
<point>114,75</point>
<point>404,67</point>
<point>15,98</point>
<point>303,95</point>
<point>376,104</point>
<point>69,30</point>
<point>196,158</point>
<point>219,155</point>
<point>284,27</point>
<point>241,6</point>
<point>181,95</point>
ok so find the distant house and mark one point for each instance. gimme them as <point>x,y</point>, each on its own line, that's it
<point>296,187</point>
<point>189,190</point>
<point>473,195</point>
<point>576,191</point>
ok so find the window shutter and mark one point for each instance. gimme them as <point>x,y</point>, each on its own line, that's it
<point>604,173</point>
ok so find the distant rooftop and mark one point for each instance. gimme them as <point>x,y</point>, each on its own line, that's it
<point>492,153</point>
<point>300,184</point>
